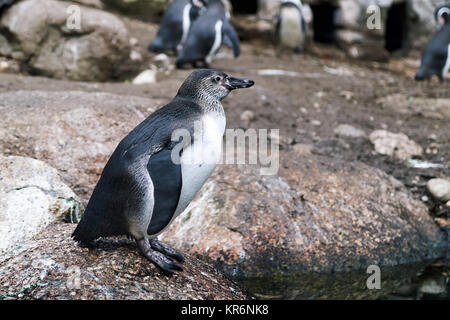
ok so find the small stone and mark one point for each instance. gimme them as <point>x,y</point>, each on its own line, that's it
<point>146,76</point>
<point>303,149</point>
<point>439,189</point>
<point>316,122</point>
<point>424,199</point>
<point>396,145</point>
<point>248,116</point>
<point>134,42</point>
<point>448,204</point>
<point>135,56</point>
<point>349,131</point>
<point>162,62</point>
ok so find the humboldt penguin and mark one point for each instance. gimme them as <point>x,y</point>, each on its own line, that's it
<point>436,56</point>
<point>291,27</point>
<point>439,13</point>
<point>158,168</point>
<point>206,36</point>
<point>176,23</point>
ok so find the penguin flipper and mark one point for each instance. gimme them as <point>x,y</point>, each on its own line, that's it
<point>231,34</point>
<point>167,182</point>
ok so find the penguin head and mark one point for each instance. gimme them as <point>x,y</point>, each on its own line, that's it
<point>443,15</point>
<point>212,83</point>
<point>199,3</point>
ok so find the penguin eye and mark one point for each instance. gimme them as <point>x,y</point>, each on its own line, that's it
<point>218,79</point>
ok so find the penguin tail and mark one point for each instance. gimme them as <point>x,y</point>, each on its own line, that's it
<point>421,75</point>
<point>156,46</point>
<point>83,234</point>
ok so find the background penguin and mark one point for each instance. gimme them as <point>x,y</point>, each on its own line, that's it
<point>436,57</point>
<point>141,189</point>
<point>206,36</point>
<point>175,24</point>
<point>5,3</point>
<point>291,26</point>
<point>439,12</point>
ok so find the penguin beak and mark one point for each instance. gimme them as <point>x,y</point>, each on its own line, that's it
<point>236,83</point>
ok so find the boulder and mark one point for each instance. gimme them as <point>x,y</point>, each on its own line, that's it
<point>318,215</point>
<point>73,131</point>
<point>59,40</point>
<point>32,195</point>
<point>54,267</point>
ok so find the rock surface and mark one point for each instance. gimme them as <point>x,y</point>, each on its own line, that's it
<point>142,9</point>
<point>73,131</point>
<point>32,196</point>
<point>54,267</point>
<point>396,145</point>
<point>440,189</point>
<point>81,44</point>
<point>347,130</point>
<point>326,215</point>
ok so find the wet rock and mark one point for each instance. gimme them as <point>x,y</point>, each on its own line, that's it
<point>146,76</point>
<point>54,267</point>
<point>73,131</point>
<point>347,130</point>
<point>319,214</point>
<point>396,145</point>
<point>91,46</point>
<point>439,189</point>
<point>32,195</point>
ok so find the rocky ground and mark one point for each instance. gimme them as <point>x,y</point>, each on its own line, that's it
<point>344,197</point>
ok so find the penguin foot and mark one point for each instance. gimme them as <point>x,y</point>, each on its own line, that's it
<point>162,261</point>
<point>158,246</point>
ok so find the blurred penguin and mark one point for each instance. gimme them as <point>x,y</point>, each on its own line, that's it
<point>4,4</point>
<point>291,28</point>
<point>206,36</point>
<point>443,9</point>
<point>436,56</point>
<point>176,23</point>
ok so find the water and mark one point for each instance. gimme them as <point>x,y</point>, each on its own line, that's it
<point>413,281</point>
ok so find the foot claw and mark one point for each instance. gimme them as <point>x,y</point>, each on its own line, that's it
<point>158,246</point>
<point>158,258</point>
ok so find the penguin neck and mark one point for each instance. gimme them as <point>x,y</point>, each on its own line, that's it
<point>209,103</point>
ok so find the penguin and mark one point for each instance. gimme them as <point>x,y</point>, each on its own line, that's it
<point>291,26</point>
<point>436,56</point>
<point>151,177</point>
<point>206,36</point>
<point>4,4</point>
<point>439,12</point>
<point>175,24</point>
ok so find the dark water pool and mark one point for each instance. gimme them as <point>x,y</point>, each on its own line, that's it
<point>414,281</point>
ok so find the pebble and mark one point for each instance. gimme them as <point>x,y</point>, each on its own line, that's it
<point>347,130</point>
<point>439,189</point>
<point>247,116</point>
<point>146,76</point>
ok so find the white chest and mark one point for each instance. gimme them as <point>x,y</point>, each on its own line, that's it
<point>200,159</point>
<point>290,27</point>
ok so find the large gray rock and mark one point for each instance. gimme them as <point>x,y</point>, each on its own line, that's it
<point>55,268</point>
<point>32,195</point>
<point>43,36</point>
<point>74,131</point>
<point>319,214</point>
